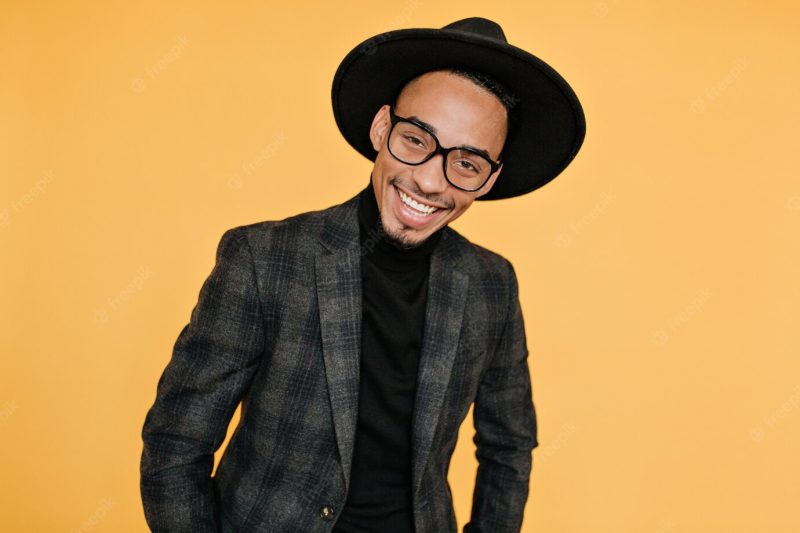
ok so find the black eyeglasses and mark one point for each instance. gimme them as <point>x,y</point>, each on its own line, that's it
<point>464,168</point>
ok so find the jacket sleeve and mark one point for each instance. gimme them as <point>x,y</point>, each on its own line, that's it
<point>213,361</point>
<point>505,430</point>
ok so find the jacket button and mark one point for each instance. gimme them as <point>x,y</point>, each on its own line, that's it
<point>326,512</point>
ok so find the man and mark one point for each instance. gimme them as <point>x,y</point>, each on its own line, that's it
<point>358,337</point>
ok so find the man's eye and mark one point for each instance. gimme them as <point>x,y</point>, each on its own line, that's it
<point>414,140</point>
<point>467,165</point>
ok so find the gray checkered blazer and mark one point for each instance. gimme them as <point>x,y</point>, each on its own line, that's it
<point>277,326</point>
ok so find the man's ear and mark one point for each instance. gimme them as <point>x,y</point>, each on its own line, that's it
<point>488,187</point>
<point>380,127</point>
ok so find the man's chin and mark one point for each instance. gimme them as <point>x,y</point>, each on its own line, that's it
<point>404,239</point>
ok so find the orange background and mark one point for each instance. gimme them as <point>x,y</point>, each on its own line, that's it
<point>658,274</point>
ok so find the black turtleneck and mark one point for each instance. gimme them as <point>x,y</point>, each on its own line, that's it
<point>394,295</point>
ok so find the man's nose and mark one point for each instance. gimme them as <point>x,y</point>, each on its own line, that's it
<point>430,176</point>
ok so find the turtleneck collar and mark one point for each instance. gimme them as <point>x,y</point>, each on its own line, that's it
<point>379,248</point>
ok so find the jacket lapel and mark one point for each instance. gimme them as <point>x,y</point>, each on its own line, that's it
<point>338,278</point>
<point>447,292</point>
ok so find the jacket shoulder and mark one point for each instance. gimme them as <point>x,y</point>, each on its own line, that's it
<point>298,232</point>
<point>484,261</point>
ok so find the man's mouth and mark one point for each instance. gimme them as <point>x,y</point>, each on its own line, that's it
<point>422,209</point>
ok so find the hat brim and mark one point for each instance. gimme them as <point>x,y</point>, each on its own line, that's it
<point>550,120</point>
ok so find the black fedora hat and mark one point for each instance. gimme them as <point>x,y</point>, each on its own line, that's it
<point>549,124</point>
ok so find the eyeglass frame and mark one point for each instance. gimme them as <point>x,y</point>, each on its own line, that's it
<point>493,165</point>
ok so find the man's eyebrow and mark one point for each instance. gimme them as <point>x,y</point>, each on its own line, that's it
<point>418,120</point>
<point>481,151</point>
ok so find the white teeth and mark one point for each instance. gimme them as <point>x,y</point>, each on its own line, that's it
<point>422,208</point>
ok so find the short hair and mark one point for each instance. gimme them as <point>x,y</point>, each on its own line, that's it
<point>507,98</point>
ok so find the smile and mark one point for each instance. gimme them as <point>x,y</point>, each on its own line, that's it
<point>423,209</point>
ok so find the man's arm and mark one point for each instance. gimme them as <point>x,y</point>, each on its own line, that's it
<point>213,361</point>
<point>505,430</point>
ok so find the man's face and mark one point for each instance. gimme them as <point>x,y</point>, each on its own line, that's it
<point>462,114</point>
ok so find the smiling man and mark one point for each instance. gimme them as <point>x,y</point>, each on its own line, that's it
<point>356,338</point>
